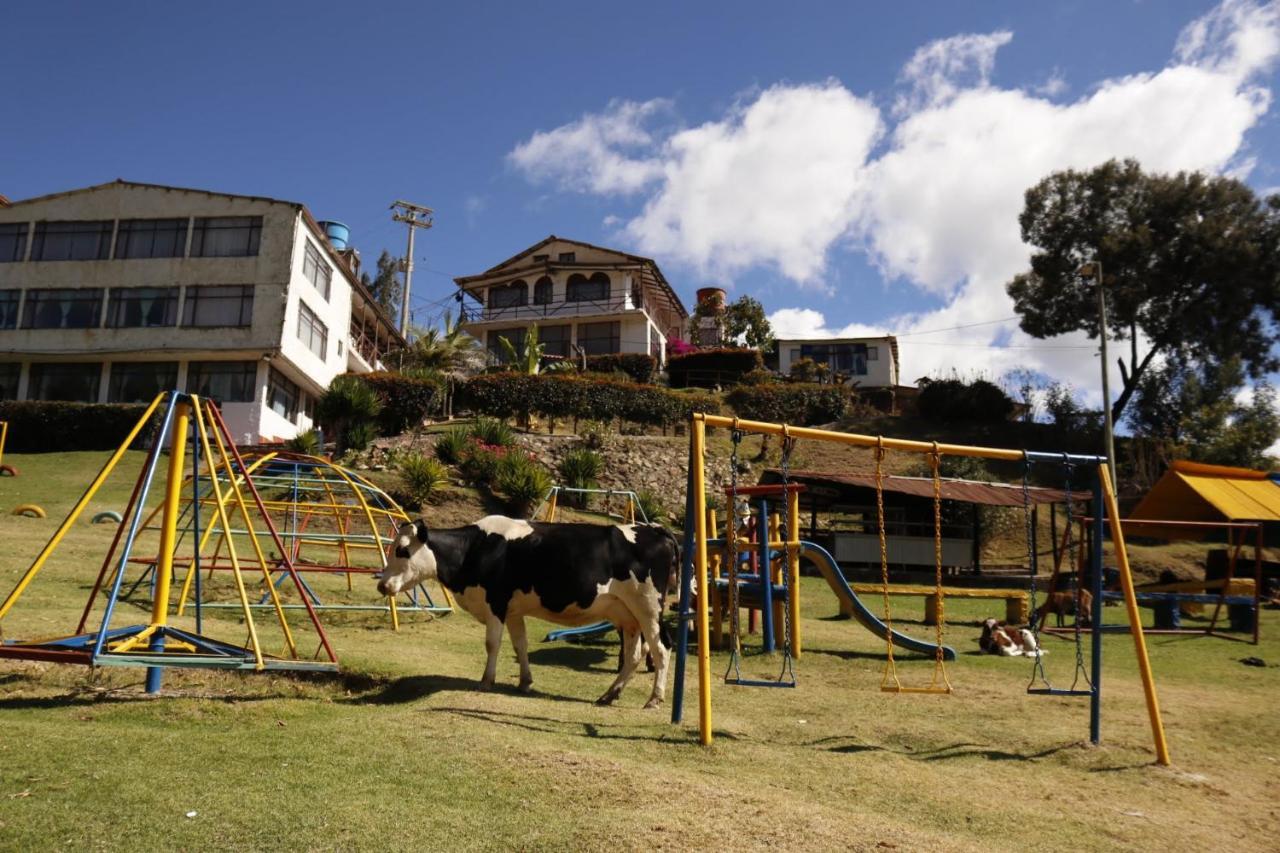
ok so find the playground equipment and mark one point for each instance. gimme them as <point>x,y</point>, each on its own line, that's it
<point>162,641</point>
<point>107,515</point>
<point>698,545</point>
<point>334,523</point>
<point>29,510</point>
<point>5,470</point>
<point>631,508</point>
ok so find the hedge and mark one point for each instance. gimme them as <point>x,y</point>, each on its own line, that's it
<point>561,397</point>
<point>639,366</point>
<point>38,426</point>
<point>710,367</point>
<point>951,400</point>
<point>406,400</point>
<point>799,403</point>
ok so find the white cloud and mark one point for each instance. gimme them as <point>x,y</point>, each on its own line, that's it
<point>941,68</point>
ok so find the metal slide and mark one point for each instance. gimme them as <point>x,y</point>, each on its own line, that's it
<point>835,579</point>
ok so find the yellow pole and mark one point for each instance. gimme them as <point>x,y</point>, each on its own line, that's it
<point>1135,618</point>
<point>697,436</point>
<point>551,508</point>
<point>4,435</point>
<point>373,526</point>
<point>169,522</point>
<point>39,562</point>
<point>793,568</point>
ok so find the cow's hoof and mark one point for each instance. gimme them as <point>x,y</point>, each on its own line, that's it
<point>654,702</point>
<point>484,686</point>
<point>526,687</point>
<point>607,699</point>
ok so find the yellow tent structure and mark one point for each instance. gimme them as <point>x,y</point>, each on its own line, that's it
<point>1194,491</point>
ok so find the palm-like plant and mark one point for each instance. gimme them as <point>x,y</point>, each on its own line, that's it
<point>446,349</point>
<point>528,358</point>
<point>348,409</point>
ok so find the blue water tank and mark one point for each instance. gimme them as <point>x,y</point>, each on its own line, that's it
<point>337,233</point>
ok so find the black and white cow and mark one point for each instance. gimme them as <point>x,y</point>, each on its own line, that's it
<point>504,569</point>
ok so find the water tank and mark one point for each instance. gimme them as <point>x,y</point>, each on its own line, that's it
<point>712,297</point>
<point>337,233</point>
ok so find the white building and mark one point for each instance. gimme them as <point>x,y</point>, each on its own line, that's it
<point>583,298</point>
<point>115,292</point>
<point>870,363</point>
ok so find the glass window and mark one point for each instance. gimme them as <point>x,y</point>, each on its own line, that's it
<point>317,269</point>
<point>510,295</point>
<point>542,291</point>
<point>9,308</point>
<point>581,289</point>
<point>130,307</point>
<point>65,380</point>
<point>71,241</point>
<point>223,381</point>
<point>226,236</point>
<point>63,308</point>
<point>282,395</point>
<point>9,373</point>
<point>795,354</point>
<point>555,339</point>
<point>140,381</point>
<point>600,338</point>
<point>873,353</point>
<point>218,305</point>
<point>568,257</point>
<point>313,334</point>
<point>515,336</point>
<point>13,241</point>
<point>151,238</point>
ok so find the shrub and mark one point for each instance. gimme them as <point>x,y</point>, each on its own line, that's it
<point>450,444</point>
<point>359,436</point>
<point>579,469</point>
<point>594,434</point>
<point>348,410</point>
<point>951,400</point>
<point>522,481</point>
<point>479,462</point>
<point>406,399</point>
<point>799,403</point>
<point>759,376</point>
<point>305,442</point>
<point>807,370</point>
<point>710,367</point>
<point>493,431</point>
<point>653,507</point>
<point>636,365</point>
<point>37,426</point>
<point>422,476</point>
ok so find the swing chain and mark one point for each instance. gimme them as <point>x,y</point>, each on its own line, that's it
<point>784,515</point>
<point>731,541</point>
<point>936,464</point>
<point>890,668</point>
<point>1037,667</point>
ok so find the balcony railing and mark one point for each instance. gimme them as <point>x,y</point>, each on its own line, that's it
<point>366,345</point>
<point>585,307</point>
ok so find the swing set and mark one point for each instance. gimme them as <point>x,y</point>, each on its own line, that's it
<point>699,548</point>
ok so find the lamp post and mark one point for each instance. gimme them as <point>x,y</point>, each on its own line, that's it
<point>1093,270</point>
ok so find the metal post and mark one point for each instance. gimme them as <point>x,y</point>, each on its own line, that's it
<point>415,216</point>
<point>697,437</point>
<point>408,281</point>
<point>764,572</point>
<point>1095,617</point>
<point>686,583</point>
<point>1094,270</point>
<point>168,537</point>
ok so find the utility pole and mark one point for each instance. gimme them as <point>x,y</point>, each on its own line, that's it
<point>1093,270</point>
<point>415,216</point>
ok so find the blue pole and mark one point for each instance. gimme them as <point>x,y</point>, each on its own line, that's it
<point>195,521</point>
<point>766,577</point>
<point>1095,561</point>
<point>686,594</point>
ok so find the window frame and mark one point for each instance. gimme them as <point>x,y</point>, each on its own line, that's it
<point>116,378</point>
<point>577,289</point>
<point>10,308</point>
<point>310,321</point>
<point>101,229</point>
<point>116,301</point>
<point>247,373</point>
<point>614,337</point>
<point>319,267</point>
<point>562,334</point>
<point>127,229</point>
<point>278,382</point>
<point>518,287</point>
<point>10,370</point>
<point>21,234</point>
<point>544,291</point>
<point>192,298</point>
<point>202,226</point>
<point>516,334</point>
<point>37,297</point>
<point>38,368</point>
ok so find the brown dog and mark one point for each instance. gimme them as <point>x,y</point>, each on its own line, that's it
<point>1060,603</point>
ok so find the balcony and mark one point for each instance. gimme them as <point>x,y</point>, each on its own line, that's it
<point>550,310</point>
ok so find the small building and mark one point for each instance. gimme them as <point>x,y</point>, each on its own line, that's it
<point>584,299</point>
<point>115,292</point>
<point>866,362</point>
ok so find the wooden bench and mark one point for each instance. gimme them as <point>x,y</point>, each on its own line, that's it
<point>1015,600</point>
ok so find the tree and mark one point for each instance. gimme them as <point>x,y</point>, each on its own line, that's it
<point>745,322</point>
<point>1189,261</point>
<point>445,349</point>
<point>348,410</point>
<point>385,286</point>
<point>527,358</point>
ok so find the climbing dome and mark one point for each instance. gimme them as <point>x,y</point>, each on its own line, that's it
<point>335,524</point>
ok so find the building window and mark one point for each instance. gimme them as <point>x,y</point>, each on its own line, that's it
<point>282,396</point>
<point>568,257</point>
<point>600,338</point>
<point>515,336</point>
<point>313,334</point>
<point>795,355</point>
<point>511,295</point>
<point>873,353</point>
<point>151,238</point>
<point>9,373</point>
<point>226,236</point>
<point>76,381</point>
<point>537,259</point>
<point>223,381</point>
<point>142,306</point>
<point>13,241</point>
<point>63,308</point>
<point>317,269</point>
<point>556,340</point>
<point>9,308</point>
<point>218,305</point>
<point>582,289</point>
<point>542,290</point>
<point>71,241</point>
<point>140,381</point>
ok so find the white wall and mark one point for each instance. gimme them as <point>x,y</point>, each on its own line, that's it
<point>881,372</point>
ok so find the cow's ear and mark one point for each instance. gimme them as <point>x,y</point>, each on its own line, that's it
<point>421,527</point>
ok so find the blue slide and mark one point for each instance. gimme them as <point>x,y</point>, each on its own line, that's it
<point>830,570</point>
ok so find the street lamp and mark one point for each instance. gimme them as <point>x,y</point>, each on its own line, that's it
<point>1093,270</point>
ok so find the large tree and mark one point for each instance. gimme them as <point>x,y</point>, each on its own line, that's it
<point>1190,263</point>
<point>385,285</point>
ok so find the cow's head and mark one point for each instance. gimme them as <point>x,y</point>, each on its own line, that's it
<point>411,561</point>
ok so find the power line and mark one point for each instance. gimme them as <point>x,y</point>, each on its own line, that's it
<point>956,328</point>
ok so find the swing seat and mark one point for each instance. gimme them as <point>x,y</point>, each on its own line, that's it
<point>1057,691</point>
<point>894,688</point>
<point>756,682</point>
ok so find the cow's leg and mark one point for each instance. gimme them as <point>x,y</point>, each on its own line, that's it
<point>492,642</point>
<point>649,616</point>
<point>520,642</point>
<point>631,654</point>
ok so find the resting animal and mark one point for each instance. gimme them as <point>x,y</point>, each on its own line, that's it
<point>1059,603</point>
<point>1007,640</point>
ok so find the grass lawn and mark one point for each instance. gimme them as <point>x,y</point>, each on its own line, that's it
<point>400,751</point>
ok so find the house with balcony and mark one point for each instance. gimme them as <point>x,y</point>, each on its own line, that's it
<point>115,292</point>
<point>584,299</point>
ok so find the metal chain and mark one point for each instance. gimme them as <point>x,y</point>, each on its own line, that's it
<point>788,664</point>
<point>939,665</point>
<point>731,542</point>
<point>890,667</point>
<point>1037,668</point>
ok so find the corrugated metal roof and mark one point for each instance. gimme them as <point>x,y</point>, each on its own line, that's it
<point>1191,491</point>
<point>968,491</point>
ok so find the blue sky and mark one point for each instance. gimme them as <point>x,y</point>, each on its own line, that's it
<point>857,167</point>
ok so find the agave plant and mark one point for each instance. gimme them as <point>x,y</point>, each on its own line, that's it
<point>348,410</point>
